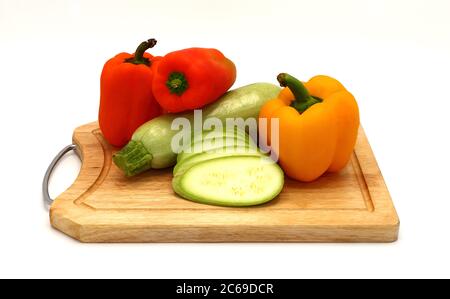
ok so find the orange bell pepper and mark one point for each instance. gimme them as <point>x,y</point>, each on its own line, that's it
<point>318,126</point>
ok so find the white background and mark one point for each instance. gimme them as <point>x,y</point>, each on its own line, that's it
<point>393,55</point>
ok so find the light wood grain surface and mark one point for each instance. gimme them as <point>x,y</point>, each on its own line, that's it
<point>104,206</point>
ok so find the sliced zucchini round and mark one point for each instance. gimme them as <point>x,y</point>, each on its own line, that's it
<point>231,181</point>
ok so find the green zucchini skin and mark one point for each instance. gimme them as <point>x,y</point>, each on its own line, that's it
<point>151,143</point>
<point>245,102</point>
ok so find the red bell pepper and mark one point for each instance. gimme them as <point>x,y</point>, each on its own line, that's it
<point>126,97</point>
<point>192,78</point>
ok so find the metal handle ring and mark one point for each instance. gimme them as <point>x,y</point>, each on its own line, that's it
<point>47,199</point>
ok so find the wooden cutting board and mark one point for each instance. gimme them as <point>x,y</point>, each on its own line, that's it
<point>104,206</point>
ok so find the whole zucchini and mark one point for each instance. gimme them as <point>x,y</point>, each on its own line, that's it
<point>150,146</point>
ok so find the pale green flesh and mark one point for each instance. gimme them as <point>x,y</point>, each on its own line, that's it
<point>225,132</point>
<point>186,164</point>
<point>203,147</point>
<point>212,140</point>
<point>231,181</point>
<point>217,140</point>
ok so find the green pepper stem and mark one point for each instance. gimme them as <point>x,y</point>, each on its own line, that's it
<point>177,83</point>
<point>133,159</point>
<point>303,100</point>
<point>138,57</point>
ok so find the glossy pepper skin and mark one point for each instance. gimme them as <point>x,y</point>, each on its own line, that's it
<point>318,126</point>
<point>126,97</point>
<point>192,78</point>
